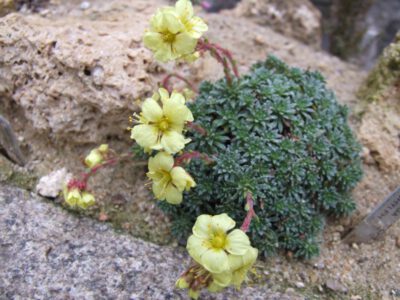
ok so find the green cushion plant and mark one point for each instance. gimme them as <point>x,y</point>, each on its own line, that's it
<point>279,134</point>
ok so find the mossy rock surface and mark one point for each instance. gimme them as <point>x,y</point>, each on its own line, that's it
<point>279,134</point>
<point>384,75</point>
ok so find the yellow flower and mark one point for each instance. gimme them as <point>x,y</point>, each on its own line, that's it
<point>103,148</point>
<point>86,200</point>
<point>96,156</point>
<point>161,128</point>
<point>169,182</point>
<point>240,265</point>
<point>220,281</point>
<point>194,26</point>
<point>93,159</point>
<point>181,283</point>
<point>211,244</point>
<point>193,294</point>
<point>72,197</point>
<point>167,36</point>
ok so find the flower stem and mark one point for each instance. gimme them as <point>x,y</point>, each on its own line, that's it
<point>165,82</point>
<point>196,127</point>
<point>204,45</point>
<point>185,157</point>
<point>223,56</point>
<point>250,213</point>
<point>82,182</point>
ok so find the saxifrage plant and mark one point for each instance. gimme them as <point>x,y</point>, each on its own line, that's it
<point>271,149</point>
<point>279,134</point>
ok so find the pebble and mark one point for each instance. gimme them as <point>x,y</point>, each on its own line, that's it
<point>52,184</point>
<point>335,286</point>
<point>290,292</point>
<point>355,246</point>
<point>84,5</point>
<point>286,275</point>
<point>319,265</point>
<point>313,278</point>
<point>336,236</point>
<point>299,284</point>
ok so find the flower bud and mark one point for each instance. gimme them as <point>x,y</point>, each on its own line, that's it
<point>194,294</point>
<point>103,148</point>
<point>73,197</point>
<point>94,158</point>
<point>181,283</point>
<point>86,200</point>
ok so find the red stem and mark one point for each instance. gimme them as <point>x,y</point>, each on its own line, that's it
<point>190,155</point>
<point>92,171</point>
<point>165,82</point>
<point>196,127</point>
<point>81,184</point>
<point>250,214</point>
<point>229,55</point>
<point>205,46</point>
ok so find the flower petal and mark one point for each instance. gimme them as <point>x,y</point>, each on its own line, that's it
<point>222,279</point>
<point>250,256</point>
<point>181,179</point>
<point>196,27</point>
<point>184,44</point>
<point>173,141</point>
<point>164,53</point>
<point>173,195</point>
<point>214,287</point>
<point>164,95</point>
<point>161,162</point>
<point>152,40</point>
<point>202,226</point>
<point>196,247</point>
<point>237,242</point>
<point>172,22</point>
<point>235,262</point>
<point>178,97</point>
<point>177,113</point>
<point>184,9</point>
<point>151,110</point>
<point>215,260</point>
<point>222,222</point>
<point>145,135</point>
<point>159,189</point>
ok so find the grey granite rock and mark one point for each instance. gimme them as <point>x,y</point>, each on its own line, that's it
<point>48,253</point>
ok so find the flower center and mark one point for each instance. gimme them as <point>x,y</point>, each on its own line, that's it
<point>168,37</point>
<point>163,125</point>
<point>218,241</point>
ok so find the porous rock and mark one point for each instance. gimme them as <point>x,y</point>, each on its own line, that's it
<point>299,19</point>
<point>47,253</point>
<point>73,78</point>
<point>75,75</point>
<point>6,6</point>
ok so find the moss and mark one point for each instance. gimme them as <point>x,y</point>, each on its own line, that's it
<point>385,74</point>
<point>15,176</point>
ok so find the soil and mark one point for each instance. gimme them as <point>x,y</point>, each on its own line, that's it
<point>366,271</point>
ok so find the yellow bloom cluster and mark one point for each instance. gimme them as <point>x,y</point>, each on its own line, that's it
<point>75,197</point>
<point>168,181</point>
<point>161,128</point>
<point>225,254</point>
<point>174,32</point>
